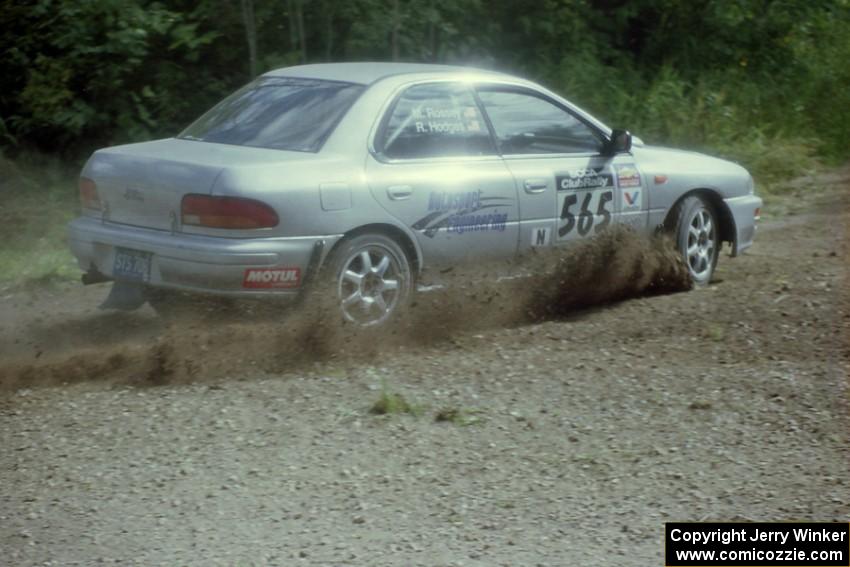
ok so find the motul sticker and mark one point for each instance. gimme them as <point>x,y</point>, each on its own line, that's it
<point>272,278</point>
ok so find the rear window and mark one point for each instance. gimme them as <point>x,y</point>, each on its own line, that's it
<point>278,113</point>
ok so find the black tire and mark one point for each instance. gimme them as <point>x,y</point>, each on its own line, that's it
<point>697,235</point>
<point>367,279</point>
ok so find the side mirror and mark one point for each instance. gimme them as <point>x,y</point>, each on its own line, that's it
<point>620,142</point>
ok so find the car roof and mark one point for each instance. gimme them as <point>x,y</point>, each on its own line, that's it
<point>367,73</point>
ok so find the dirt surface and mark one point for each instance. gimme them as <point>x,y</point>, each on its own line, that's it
<point>486,429</point>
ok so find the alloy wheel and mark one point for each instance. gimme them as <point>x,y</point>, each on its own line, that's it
<point>701,244</point>
<point>370,285</point>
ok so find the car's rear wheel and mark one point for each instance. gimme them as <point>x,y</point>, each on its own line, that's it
<point>371,279</point>
<point>697,237</point>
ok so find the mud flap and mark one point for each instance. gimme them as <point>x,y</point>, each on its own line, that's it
<point>312,270</point>
<point>125,296</point>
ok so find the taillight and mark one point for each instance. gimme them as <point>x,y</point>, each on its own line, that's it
<point>89,198</point>
<point>226,212</point>
<point>757,214</point>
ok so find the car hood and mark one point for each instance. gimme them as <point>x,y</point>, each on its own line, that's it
<point>692,162</point>
<point>683,171</point>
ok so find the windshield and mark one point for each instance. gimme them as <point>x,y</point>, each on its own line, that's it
<point>278,113</point>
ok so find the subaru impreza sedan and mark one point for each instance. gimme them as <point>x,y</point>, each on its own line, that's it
<point>369,176</point>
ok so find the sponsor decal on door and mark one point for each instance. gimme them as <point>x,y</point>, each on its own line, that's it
<point>589,178</point>
<point>632,200</point>
<point>627,176</point>
<point>464,211</point>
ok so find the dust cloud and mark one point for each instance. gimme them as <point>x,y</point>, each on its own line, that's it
<point>213,344</point>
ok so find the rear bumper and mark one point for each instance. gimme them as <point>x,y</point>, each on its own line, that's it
<point>200,263</point>
<point>743,211</point>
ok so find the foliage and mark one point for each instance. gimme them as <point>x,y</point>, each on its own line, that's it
<point>746,78</point>
<point>390,403</point>
<point>96,71</point>
<point>37,199</point>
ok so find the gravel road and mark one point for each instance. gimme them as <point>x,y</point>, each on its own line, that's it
<point>565,441</point>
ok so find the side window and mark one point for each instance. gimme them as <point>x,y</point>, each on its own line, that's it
<point>527,124</point>
<point>435,120</point>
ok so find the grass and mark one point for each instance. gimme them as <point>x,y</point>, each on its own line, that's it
<point>715,332</point>
<point>725,114</point>
<point>459,416</point>
<point>393,403</point>
<point>36,203</point>
<point>37,200</point>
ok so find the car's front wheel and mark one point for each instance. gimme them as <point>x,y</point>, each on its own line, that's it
<point>371,279</point>
<point>697,237</point>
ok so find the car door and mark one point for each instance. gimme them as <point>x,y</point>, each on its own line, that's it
<point>435,168</point>
<point>567,189</point>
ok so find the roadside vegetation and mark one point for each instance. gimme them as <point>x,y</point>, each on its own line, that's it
<point>36,203</point>
<point>392,403</point>
<point>761,82</point>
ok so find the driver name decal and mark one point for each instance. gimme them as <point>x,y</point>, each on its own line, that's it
<point>448,121</point>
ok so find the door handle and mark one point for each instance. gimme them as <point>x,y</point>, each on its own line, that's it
<point>535,185</point>
<point>399,192</point>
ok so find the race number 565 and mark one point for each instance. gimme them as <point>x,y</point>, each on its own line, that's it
<point>584,211</point>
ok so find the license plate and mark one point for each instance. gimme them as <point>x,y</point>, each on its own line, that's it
<point>132,265</point>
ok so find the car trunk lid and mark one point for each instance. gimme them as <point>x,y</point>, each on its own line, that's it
<point>144,184</point>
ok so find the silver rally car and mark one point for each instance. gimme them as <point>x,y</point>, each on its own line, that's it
<point>366,174</point>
